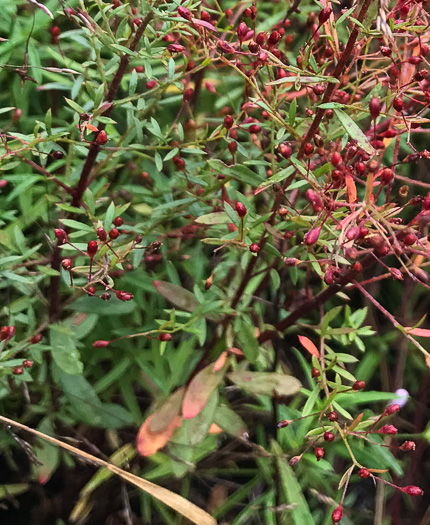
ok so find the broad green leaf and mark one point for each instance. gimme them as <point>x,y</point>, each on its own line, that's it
<point>354,131</point>
<point>214,218</point>
<point>229,421</point>
<point>248,341</point>
<point>177,295</point>
<point>266,383</point>
<point>64,351</point>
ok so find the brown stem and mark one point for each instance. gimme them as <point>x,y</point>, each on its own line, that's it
<point>338,71</point>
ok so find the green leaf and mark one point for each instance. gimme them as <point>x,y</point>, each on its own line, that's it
<point>310,403</point>
<point>133,83</point>
<point>177,295</point>
<point>74,106</point>
<point>292,111</point>
<point>266,383</point>
<point>76,225</point>
<point>248,341</point>
<point>64,351</point>
<point>354,131</point>
<point>110,214</point>
<point>214,218</point>
<point>84,402</point>
<point>229,421</point>
<point>48,121</point>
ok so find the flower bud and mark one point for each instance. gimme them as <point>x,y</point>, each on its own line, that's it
<point>412,490</point>
<point>408,445</point>
<point>60,235</point>
<point>314,200</point>
<point>241,210</point>
<point>100,344</point>
<point>374,108</point>
<point>312,236</point>
<point>242,31</point>
<point>337,515</point>
<point>387,429</point>
<point>358,385</point>
<point>324,15</point>
<point>391,409</point>
<point>363,473</point>
<point>92,248</point>
<point>319,453</point>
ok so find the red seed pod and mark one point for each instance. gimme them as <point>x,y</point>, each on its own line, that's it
<point>328,436</point>
<point>389,134</point>
<point>387,176</point>
<point>407,446</point>
<point>324,15</point>
<point>336,175</point>
<point>374,108</point>
<point>242,31</point>
<point>179,162</point>
<point>412,490</point>
<point>426,203</point>
<point>101,138</point>
<point>184,12</point>
<point>165,337</point>
<point>391,409</point>
<point>363,473</point>
<point>151,84</point>
<point>319,453</point>
<point>284,423</point>
<point>336,158</point>
<point>254,248</point>
<point>240,209</point>
<point>308,148</point>
<point>188,93</point>
<point>415,60</point>
<point>420,75</point>
<point>139,69</point>
<point>285,150</point>
<point>424,49</point>
<point>58,155</point>
<point>274,38</point>
<point>357,267</point>
<point>410,239</point>
<point>175,48</point>
<point>17,370</point>
<point>118,221</point>
<point>55,31</point>
<point>27,363</point>
<point>114,234</point>
<point>91,291</point>
<point>101,234</point>
<point>358,385</point>
<point>255,48</point>
<point>363,232</point>
<point>232,147</point>
<point>332,416</point>
<point>318,89</point>
<point>260,39</point>
<point>312,236</point>
<point>387,429</point>
<point>360,167</point>
<point>92,248</point>
<point>386,51</point>
<point>67,264</point>
<point>228,121</point>
<point>4,333</point>
<point>315,373</point>
<point>122,295</point>
<point>314,200</point>
<point>396,274</point>
<point>328,277</point>
<point>254,128</point>
<point>204,15</point>
<point>36,339</point>
<point>398,104</point>
<point>105,296</point>
<point>337,515</point>
<point>61,235</point>
<point>101,344</point>
<point>247,13</point>
<point>352,233</point>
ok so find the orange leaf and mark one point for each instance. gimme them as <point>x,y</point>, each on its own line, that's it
<point>91,127</point>
<point>220,362</point>
<point>148,443</point>
<point>214,429</point>
<point>356,422</point>
<point>309,345</point>
<point>420,332</point>
<point>350,188</point>
<point>235,351</point>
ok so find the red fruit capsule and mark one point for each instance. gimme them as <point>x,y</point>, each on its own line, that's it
<point>315,373</point>
<point>67,264</point>
<point>408,445</point>
<point>60,235</point>
<point>412,490</point>
<point>359,385</point>
<point>4,333</point>
<point>398,104</point>
<point>101,234</point>
<point>165,337</point>
<point>337,515</point>
<point>17,370</point>
<point>36,339</point>
<point>101,138</point>
<point>324,15</point>
<point>336,158</point>
<point>374,108</point>
<point>254,248</point>
<point>27,363</point>
<point>328,436</point>
<point>308,148</point>
<point>100,344</point>
<point>387,429</point>
<point>363,473</point>
<point>55,31</point>
<point>241,209</point>
<point>118,221</point>
<point>332,416</point>
<point>114,233</point>
<point>319,453</point>
<point>92,248</point>
<point>311,237</point>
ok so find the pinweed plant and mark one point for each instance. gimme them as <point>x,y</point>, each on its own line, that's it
<point>214,255</point>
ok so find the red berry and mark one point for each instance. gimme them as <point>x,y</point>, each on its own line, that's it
<point>314,200</point>
<point>387,176</point>
<point>324,15</point>
<point>410,239</point>
<point>179,163</point>
<point>57,155</point>
<point>165,337</point>
<point>328,436</point>
<point>67,264</point>
<point>408,445</point>
<point>188,93</point>
<point>363,473</point>
<point>27,363</point>
<point>36,339</point>
<point>232,147</point>
<point>60,235</point>
<point>398,104</point>
<point>357,267</point>
<point>101,138</point>
<point>100,344</point>
<point>337,515</point>
<point>241,209</point>
<point>308,148</point>
<point>311,237</point>
<point>386,51</point>
<point>92,248</point>
<point>374,108</point>
<point>387,429</point>
<point>91,290</point>
<point>336,158</point>
<point>55,31</point>
<point>319,453</point>
<point>151,84</point>
<point>315,373</point>
<point>4,333</point>
<point>412,490</point>
<point>332,416</point>
<point>17,370</point>
<point>184,12</point>
<point>113,234</point>
<point>318,89</point>
<point>139,69</point>
<point>118,221</point>
<point>415,60</point>
<point>101,234</point>
<point>254,248</point>
<point>254,128</point>
<point>358,385</point>
<point>285,150</point>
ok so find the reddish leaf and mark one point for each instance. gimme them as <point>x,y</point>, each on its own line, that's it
<point>220,362</point>
<point>200,390</point>
<point>350,187</point>
<point>198,22</point>
<point>167,411</point>
<point>91,127</point>
<point>420,332</point>
<point>309,345</point>
<point>214,429</point>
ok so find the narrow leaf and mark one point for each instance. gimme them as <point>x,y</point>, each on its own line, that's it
<point>309,345</point>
